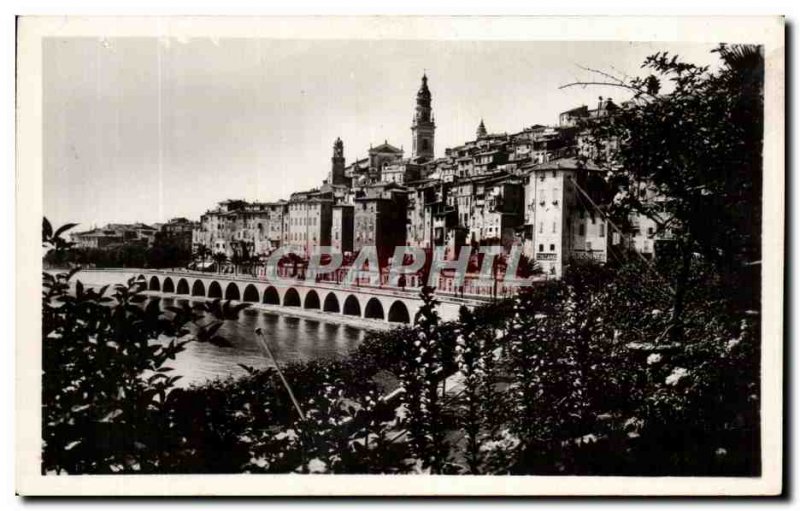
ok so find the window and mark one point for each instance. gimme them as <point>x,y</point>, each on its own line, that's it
<point>541,247</point>
<point>581,230</point>
<point>552,247</point>
<point>554,227</point>
<point>602,230</point>
<point>541,227</point>
<point>650,231</point>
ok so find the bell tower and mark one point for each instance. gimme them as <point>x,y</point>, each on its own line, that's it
<point>337,163</point>
<point>423,127</point>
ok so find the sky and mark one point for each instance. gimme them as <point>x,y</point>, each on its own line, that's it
<point>147,129</point>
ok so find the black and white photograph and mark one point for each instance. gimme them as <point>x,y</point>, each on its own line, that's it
<point>282,250</point>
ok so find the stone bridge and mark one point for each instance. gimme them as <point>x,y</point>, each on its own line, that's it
<point>378,303</point>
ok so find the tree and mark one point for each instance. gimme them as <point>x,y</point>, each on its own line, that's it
<point>422,371</point>
<point>202,252</point>
<point>476,360</point>
<point>691,160</point>
<point>220,258</point>
<point>166,252</point>
<point>105,383</point>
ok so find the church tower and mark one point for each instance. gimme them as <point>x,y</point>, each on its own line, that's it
<point>422,128</point>
<point>337,163</point>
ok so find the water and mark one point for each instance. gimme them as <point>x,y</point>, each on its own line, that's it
<point>290,339</point>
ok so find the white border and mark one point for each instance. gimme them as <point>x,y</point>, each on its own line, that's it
<point>768,31</point>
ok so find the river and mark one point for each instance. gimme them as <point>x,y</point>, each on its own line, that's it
<point>290,339</point>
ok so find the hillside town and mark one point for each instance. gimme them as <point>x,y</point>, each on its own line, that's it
<point>536,189</point>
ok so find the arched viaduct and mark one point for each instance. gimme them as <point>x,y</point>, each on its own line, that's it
<point>391,305</point>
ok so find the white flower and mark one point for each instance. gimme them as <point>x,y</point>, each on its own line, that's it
<point>289,434</point>
<point>654,358</point>
<point>259,462</point>
<point>675,377</point>
<point>317,466</point>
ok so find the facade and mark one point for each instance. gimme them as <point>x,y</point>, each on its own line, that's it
<point>382,156</point>
<point>497,211</point>
<point>379,219</point>
<point>400,172</point>
<point>419,224</point>
<point>115,235</point>
<point>179,231</point>
<point>307,223</point>
<point>240,227</point>
<point>560,223</point>
<point>342,227</point>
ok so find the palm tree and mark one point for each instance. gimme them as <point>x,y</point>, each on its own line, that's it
<point>220,258</point>
<point>236,261</point>
<point>202,252</point>
<point>744,64</point>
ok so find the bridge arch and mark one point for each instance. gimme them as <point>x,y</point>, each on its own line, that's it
<point>331,303</point>
<point>214,290</point>
<point>374,309</point>
<point>232,292</point>
<point>351,306</point>
<point>398,313</point>
<point>198,288</point>
<point>271,296</point>
<point>183,287</point>
<point>168,286</point>
<point>250,294</point>
<point>311,301</point>
<point>291,298</point>
<point>155,285</point>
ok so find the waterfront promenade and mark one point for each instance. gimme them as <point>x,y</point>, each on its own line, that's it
<point>328,295</point>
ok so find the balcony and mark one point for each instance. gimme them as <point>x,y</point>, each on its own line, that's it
<point>541,256</point>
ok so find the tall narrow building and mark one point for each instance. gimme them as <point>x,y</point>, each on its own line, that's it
<point>337,164</point>
<point>423,128</point>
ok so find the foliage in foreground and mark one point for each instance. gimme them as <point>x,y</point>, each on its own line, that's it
<point>574,377</point>
<point>105,380</point>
